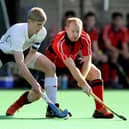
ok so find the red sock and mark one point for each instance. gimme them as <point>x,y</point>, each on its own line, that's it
<point>23,99</point>
<point>97,87</point>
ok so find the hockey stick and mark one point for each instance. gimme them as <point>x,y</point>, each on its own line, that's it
<point>101,102</point>
<point>60,114</point>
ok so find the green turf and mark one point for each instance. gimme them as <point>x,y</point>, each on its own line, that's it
<point>32,116</point>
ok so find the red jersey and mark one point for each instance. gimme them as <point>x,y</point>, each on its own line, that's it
<point>128,34</point>
<point>63,48</point>
<point>93,35</point>
<point>114,37</point>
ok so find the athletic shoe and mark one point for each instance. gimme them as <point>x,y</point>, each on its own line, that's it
<point>51,114</point>
<point>12,109</point>
<point>103,113</point>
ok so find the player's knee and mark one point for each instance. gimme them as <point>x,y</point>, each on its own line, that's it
<point>98,73</point>
<point>51,69</point>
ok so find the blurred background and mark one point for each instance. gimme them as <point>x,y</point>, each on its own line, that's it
<point>104,20</point>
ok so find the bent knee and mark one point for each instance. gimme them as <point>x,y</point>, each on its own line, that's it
<point>97,72</point>
<point>94,74</point>
<point>51,70</point>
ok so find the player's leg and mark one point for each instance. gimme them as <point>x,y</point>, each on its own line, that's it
<point>26,98</point>
<point>45,65</point>
<point>42,63</point>
<point>31,96</point>
<point>96,82</point>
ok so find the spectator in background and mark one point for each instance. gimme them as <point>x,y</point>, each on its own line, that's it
<point>114,38</point>
<point>127,25</point>
<point>67,14</point>
<point>89,26</point>
<point>98,57</point>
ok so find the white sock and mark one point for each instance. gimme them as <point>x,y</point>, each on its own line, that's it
<point>51,88</point>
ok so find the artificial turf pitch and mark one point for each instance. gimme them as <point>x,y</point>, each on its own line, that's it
<point>33,116</point>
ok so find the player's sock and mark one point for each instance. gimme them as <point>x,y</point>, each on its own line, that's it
<point>101,111</point>
<point>23,100</point>
<point>51,88</point>
<point>97,87</point>
<point>18,104</point>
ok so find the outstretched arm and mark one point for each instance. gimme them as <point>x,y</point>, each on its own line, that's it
<point>86,65</point>
<point>77,75</point>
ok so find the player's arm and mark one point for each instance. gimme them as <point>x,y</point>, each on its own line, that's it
<point>30,56</point>
<point>86,65</point>
<point>24,71</point>
<point>77,74</point>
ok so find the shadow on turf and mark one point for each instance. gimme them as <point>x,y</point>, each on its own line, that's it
<point>4,117</point>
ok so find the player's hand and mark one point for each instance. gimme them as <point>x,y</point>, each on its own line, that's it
<point>87,89</point>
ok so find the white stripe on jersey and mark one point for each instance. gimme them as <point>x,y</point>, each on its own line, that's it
<point>87,38</point>
<point>60,46</point>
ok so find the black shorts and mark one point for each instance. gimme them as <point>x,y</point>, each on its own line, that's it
<point>5,58</point>
<point>78,62</point>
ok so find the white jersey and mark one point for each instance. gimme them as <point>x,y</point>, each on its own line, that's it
<point>16,38</point>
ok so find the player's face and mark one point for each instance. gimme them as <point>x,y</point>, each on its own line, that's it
<point>90,21</point>
<point>73,31</point>
<point>35,26</point>
<point>118,22</point>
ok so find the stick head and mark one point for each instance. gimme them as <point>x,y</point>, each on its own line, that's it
<point>123,118</point>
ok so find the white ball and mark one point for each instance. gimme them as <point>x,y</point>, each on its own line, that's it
<point>67,117</point>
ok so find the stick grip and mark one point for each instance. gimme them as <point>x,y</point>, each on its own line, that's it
<point>45,97</point>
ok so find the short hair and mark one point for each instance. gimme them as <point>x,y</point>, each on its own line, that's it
<point>70,13</point>
<point>74,19</point>
<point>37,14</point>
<point>89,14</point>
<point>117,14</point>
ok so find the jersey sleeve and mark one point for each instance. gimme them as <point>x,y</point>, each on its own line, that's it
<point>86,44</point>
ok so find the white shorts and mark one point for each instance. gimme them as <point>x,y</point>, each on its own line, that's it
<point>32,64</point>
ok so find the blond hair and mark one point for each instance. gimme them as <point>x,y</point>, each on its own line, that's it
<point>37,14</point>
<point>77,20</point>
